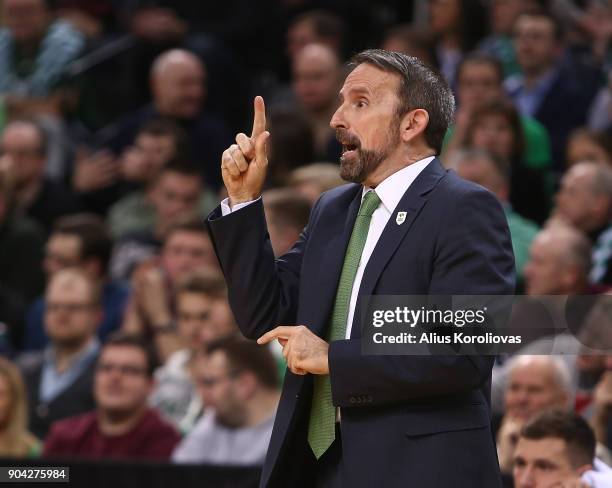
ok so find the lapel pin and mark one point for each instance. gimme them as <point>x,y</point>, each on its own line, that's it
<point>400,218</point>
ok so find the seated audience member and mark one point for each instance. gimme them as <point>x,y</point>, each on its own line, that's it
<point>178,80</point>
<point>559,262</point>
<point>589,145</point>
<point>557,448</point>
<point>496,128</point>
<point>602,402</point>
<point>80,241</point>
<point>15,440</point>
<point>480,82</point>
<point>121,426</point>
<point>532,385</point>
<point>480,167</point>
<point>584,200</point>
<point>24,148</point>
<point>202,316</point>
<point>316,80</point>
<point>552,87</point>
<point>175,193</point>
<point>59,379</point>
<point>286,214</point>
<point>22,242</point>
<point>34,49</point>
<point>187,248</point>
<point>312,180</point>
<point>239,385</point>
<point>315,27</point>
<point>410,40</point>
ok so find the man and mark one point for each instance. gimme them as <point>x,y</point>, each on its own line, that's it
<point>239,383</point>
<point>286,214</point>
<point>202,316</point>
<point>81,241</point>
<point>315,27</point>
<point>24,147</point>
<point>59,380</point>
<point>317,76</point>
<point>34,50</point>
<point>486,170</point>
<point>178,80</point>
<point>557,448</point>
<point>314,179</point>
<point>555,91</point>
<point>393,116</point>
<point>584,200</point>
<point>480,81</point>
<point>121,426</point>
<point>532,385</point>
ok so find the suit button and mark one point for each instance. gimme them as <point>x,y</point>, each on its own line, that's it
<point>352,399</point>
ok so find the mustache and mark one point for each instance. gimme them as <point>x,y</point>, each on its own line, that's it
<point>345,138</point>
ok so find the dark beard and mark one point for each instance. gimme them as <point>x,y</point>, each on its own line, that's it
<point>367,162</point>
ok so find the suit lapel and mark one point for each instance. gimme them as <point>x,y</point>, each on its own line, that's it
<point>332,258</point>
<point>394,232</point>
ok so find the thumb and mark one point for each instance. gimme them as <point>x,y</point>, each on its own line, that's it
<point>260,149</point>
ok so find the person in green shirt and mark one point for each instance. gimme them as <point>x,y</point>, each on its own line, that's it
<point>493,174</point>
<point>479,80</point>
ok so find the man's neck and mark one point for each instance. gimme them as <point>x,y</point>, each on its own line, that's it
<point>261,407</point>
<point>394,164</point>
<point>113,424</point>
<point>66,354</point>
<point>534,76</point>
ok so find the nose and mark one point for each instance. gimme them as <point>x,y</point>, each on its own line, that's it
<point>337,121</point>
<point>525,479</point>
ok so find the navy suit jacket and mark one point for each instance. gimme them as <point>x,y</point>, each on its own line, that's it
<point>405,420</point>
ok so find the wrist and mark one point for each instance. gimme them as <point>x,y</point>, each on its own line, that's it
<point>234,200</point>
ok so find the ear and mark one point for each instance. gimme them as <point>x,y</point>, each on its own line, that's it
<point>413,124</point>
<point>583,469</point>
<point>247,384</point>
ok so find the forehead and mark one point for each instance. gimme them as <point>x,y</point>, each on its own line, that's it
<point>540,24</point>
<point>550,448</point>
<point>369,79</point>
<point>193,299</point>
<point>125,354</point>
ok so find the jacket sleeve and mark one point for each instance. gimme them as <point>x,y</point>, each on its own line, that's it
<point>473,257</point>
<point>263,291</point>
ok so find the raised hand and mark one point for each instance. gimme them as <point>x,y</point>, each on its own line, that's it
<point>244,164</point>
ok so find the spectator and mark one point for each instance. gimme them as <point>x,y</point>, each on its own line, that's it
<point>585,201</point>
<point>533,384</point>
<point>121,426</point>
<point>176,192</point>
<point>80,241</point>
<point>458,25</point>
<point>496,128</point>
<point>173,197</point>
<point>238,381</point>
<point>315,27</point>
<point>490,172</point>
<point>286,214</point>
<point>202,316</point>
<point>559,262</point>
<point>314,179</point>
<point>557,448</point>
<point>15,440</point>
<point>24,145</point>
<point>602,400</point>
<point>406,39</point>
<point>178,87</point>
<point>34,50</point>
<point>555,91</point>
<point>317,76</point>
<point>21,246</point>
<point>480,82</point>
<point>59,380</point>
<point>186,248</point>
<point>589,145</point>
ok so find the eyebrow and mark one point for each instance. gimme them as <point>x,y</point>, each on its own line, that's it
<point>357,90</point>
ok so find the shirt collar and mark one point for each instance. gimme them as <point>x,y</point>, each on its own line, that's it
<point>392,189</point>
<point>83,357</point>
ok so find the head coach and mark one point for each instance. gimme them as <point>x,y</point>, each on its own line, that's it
<point>403,226</point>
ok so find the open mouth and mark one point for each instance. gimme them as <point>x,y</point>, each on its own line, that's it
<point>347,148</point>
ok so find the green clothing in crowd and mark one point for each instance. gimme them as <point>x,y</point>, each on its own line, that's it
<point>522,233</point>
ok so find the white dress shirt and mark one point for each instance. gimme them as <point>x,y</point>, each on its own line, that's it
<point>390,191</point>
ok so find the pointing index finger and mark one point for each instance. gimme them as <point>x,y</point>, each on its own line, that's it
<point>280,332</point>
<point>259,119</point>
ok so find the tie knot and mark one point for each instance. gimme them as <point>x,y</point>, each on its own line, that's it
<point>369,204</point>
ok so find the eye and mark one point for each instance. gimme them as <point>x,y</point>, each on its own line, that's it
<point>360,103</point>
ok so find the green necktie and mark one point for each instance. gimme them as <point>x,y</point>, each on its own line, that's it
<point>321,428</point>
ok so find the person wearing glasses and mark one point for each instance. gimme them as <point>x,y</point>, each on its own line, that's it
<point>238,382</point>
<point>122,426</point>
<point>59,378</point>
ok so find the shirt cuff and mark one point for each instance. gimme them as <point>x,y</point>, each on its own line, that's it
<point>226,209</point>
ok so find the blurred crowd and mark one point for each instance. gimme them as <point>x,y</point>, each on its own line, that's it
<point>117,337</point>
